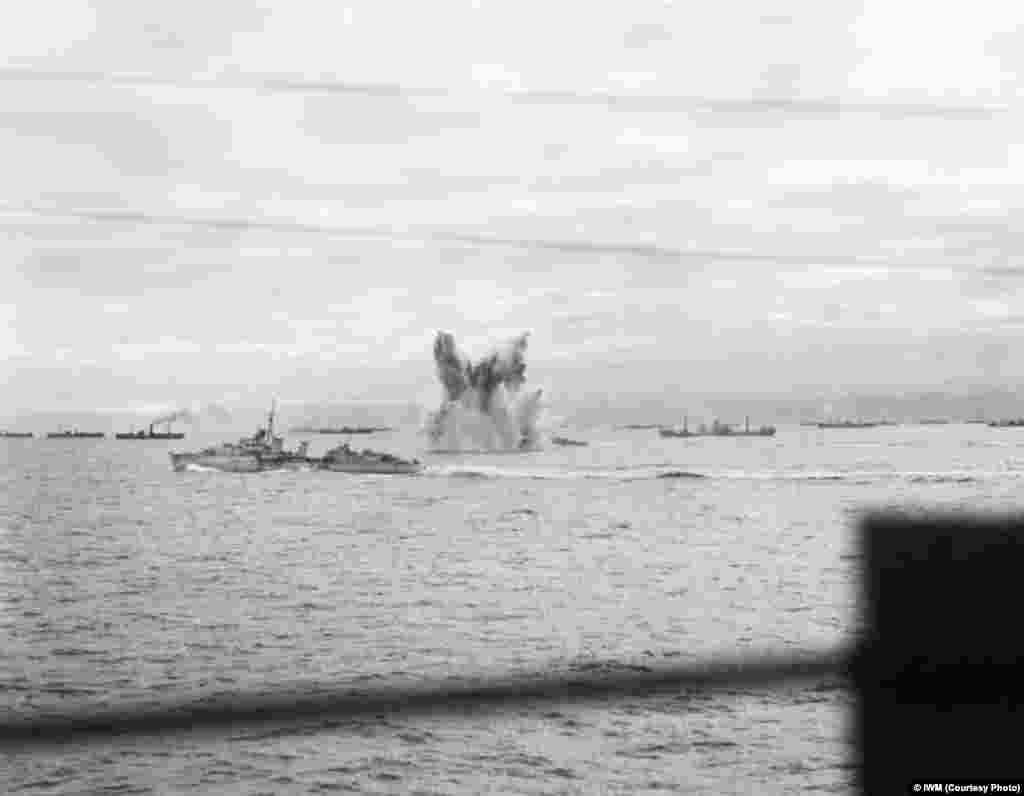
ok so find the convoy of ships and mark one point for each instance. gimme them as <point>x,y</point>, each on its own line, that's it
<point>264,451</point>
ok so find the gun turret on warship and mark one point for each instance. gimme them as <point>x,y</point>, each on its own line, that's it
<point>262,451</point>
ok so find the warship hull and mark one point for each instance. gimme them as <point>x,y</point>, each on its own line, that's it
<point>345,459</point>
<point>227,464</point>
<point>372,468</point>
<point>238,463</point>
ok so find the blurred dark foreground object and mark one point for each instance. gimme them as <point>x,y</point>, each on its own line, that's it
<point>937,673</point>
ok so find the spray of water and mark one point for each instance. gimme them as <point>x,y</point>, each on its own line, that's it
<point>484,405</point>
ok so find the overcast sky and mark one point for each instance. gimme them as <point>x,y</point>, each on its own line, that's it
<point>733,197</point>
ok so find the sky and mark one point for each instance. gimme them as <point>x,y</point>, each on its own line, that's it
<point>228,202</point>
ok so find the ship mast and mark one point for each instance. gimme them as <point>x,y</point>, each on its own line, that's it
<point>270,420</point>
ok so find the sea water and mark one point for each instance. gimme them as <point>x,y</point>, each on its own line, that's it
<point>124,582</point>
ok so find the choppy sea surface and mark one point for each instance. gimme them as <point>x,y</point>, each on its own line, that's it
<point>122,581</point>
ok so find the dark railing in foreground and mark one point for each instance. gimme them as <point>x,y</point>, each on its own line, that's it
<point>937,673</point>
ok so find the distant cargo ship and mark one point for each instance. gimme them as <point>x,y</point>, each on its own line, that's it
<point>151,434</point>
<point>1015,423</point>
<point>17,434</point>
<point>341,430</point>
<point>718,429</point>
<point>75,435</point>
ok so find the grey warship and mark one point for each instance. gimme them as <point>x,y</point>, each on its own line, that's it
<point>263,451</point>
<point>344,459</point>
<point>258,453</point>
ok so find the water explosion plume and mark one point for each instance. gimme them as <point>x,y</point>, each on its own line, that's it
<point>483,405</point>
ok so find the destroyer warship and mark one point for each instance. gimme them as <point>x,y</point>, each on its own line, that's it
<point>75,435</point>
<point>718,429</point>
<point>262,451</point>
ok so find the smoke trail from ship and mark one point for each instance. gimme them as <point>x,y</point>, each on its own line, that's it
<point>484,405</point>
<point>171,417</point>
